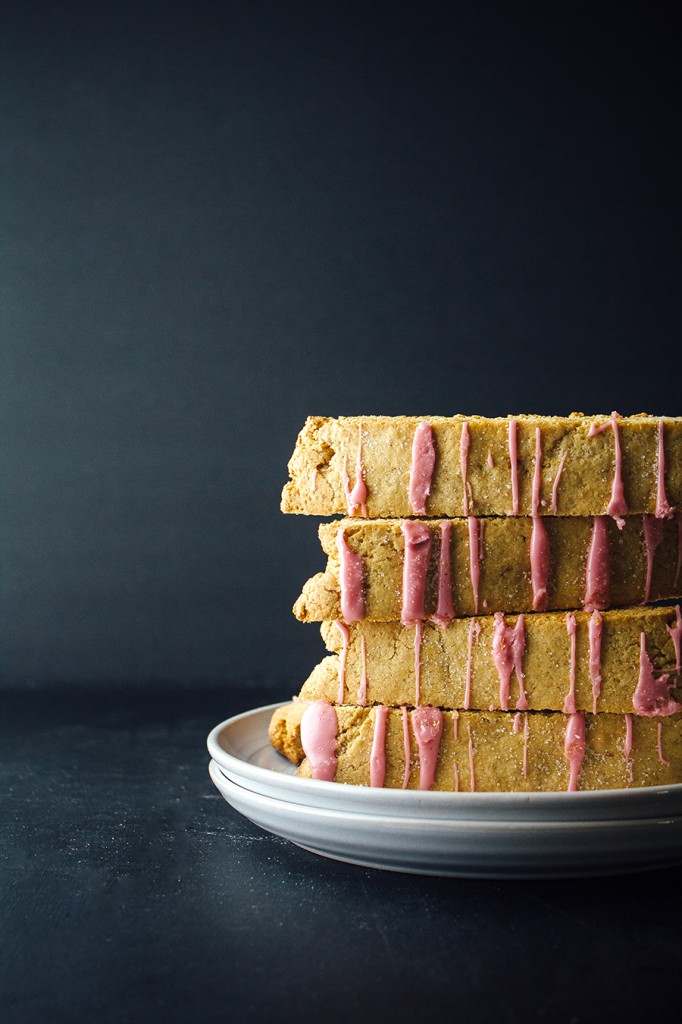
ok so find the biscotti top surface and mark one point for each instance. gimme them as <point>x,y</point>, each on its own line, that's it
<point>386,467</point>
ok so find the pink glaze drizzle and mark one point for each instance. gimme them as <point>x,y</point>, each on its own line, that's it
<point>472,767</point>
<point>569,703</point>
<point>415,568</point>
<point>537,474</point>
<point>444,609</point>
<point>627,747</point>
<point>351,580</point>
<point>659,745</point>
<point>406,748</point>
<point>653,535</point>
<point>617,506</point>
<point>377,758</point>
<point>509,645</point>
<point>343,657</point>
<point>490,460</point>
<point>362,690</point>
<point>516,728</point>
<point>663,508</point>
<point>427,725</point>
<point>526,730</point>
<point>474,631</point>
<point>418,635</point>
<point>421,472</point>
<point>594,630</point>
<point>675,635</point>
<point>463,463</point>
<point>319,729</point>
<point>474,558</point>
<point>597,572</point>
<point>357,497</point>
<point>455,733</point>
<point>539,541</point>
<point>539,564</point>
<point>555,485</point>
<point>652,696</point>
<point>574,747</point>
<point>514,460</point>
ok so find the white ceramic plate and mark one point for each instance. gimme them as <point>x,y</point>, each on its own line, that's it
<point>500,835</point>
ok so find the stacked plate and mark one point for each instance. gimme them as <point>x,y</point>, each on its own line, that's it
<point>484,835</point>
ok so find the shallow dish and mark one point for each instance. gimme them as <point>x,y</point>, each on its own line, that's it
<point>499,835</point>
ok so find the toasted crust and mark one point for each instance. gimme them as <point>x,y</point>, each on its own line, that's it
<point>505,577</point>
<point>316,467</point>
<point>389,662</point>
<point>494,745</point>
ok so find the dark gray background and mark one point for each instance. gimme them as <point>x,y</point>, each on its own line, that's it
<point>218,218</point>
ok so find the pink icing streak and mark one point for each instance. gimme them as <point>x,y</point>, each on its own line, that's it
<point>474,558</point>
<point>351,580</point>
<point>555,485</point>
<point>455,734</point>
<point>617,506</point>
<point>675,635</point>
<point>474,631</point>
<point>406,748</point>
<point>516,728</point>
<point>509,645</point>
<point>539,541</point>
<point>415,568</point>
<point>663,508</point>
<point>319,729</point>
<point>659,745</point>
<point>421,472</point>
<point>427,725</point>
<point>597,572</point>
<point>343,657</point>
<point>472,766</point>
<point>514,460</point>
<point>377,758</point>
<point>490,461</point>
<point>418,634</point>
<point>362,691</point>
<point>574,747</point>
<point>627,747</point>
<point>357,497</point>
<point>444,609</point>
<point>652,529</point>
<point>652,697</point>
<point>594,630</point>
<point>569,704</point>
<point>539,564</point>
<point>463,463</point>
<point>537,474</point>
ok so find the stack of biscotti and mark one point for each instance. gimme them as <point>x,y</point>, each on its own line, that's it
<point>492,602</point>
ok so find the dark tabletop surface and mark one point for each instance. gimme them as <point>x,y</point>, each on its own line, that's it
<point>131,891</point>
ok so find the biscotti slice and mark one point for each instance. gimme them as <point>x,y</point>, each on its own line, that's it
<point>387,569</point>
<point>393,467</point>
<point>624,660</point>
<point>427,748</point>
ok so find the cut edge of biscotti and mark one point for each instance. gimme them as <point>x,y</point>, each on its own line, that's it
<point>477,474</point>
<point>643,565</point>
<point>456,751</point>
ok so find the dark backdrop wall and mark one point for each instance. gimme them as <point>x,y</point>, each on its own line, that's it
<point>218,218</point>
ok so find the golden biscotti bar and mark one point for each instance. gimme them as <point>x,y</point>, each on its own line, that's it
<point>387,570</point>
<point>427,748</point>
<point>394,467</point>
<point>625,660</point>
